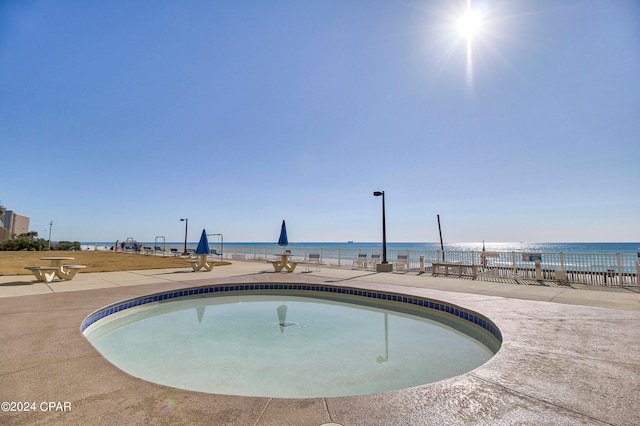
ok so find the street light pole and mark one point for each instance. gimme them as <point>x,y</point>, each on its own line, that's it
<point>186,226</point>
<point>384,228</point>
<point>50,226</point>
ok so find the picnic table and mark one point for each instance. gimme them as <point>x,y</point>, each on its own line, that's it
<point>284,263</point>
<point>201,263</point>
<point>57,268</point>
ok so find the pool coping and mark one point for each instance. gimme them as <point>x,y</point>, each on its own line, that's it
<point>559,364</point>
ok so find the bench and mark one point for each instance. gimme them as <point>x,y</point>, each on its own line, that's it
<point>455,269</point>
<point>175,252</point>
<point>148,250</point>
<point>43,273</point>
<point>67,272</point>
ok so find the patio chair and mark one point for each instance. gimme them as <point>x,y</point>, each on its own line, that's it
<point>361,261</point>
<point>314,259</point>
<point>402,263</point>
<point>375,259</point>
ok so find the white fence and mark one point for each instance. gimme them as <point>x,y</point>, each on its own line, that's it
<point>620,270</point>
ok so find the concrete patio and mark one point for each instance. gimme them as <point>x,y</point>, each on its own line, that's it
<point>569,357</point>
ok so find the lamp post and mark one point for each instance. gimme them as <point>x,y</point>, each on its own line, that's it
<point>50,226</point>
<point>186,227</point>
<point>384,266</point>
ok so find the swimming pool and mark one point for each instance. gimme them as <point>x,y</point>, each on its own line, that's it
<point>290,340</point>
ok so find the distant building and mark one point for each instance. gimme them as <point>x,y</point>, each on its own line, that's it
<point>4,234</point>
<point>15,223</point>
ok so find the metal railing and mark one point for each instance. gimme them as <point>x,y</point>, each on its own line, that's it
<point>620,270</point>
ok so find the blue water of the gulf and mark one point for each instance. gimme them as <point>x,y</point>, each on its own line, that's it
<point>601,248</point>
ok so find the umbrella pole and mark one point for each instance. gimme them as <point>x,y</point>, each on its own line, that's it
<point>440,231</point>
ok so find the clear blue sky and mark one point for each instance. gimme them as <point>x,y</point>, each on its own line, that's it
<point>119,118</point>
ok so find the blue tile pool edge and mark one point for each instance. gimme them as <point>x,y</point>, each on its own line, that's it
<point>464,314</point>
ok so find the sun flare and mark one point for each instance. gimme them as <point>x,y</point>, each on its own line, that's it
<point>470,24</point>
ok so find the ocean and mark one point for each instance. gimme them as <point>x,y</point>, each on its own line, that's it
<point>590,248</point>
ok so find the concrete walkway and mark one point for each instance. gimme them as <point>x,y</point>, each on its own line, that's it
<point>568,356</point>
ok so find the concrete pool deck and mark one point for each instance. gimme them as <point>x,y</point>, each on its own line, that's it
<point>568,356</point>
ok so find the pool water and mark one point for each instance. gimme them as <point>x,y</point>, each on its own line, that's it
<point>288,346</point>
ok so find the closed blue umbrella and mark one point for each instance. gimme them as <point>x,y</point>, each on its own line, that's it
<point>283,240</point>
<point>203,245</point>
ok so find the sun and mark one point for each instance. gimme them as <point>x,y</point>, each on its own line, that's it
<point>470,23</point>
<point>477,29</point>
